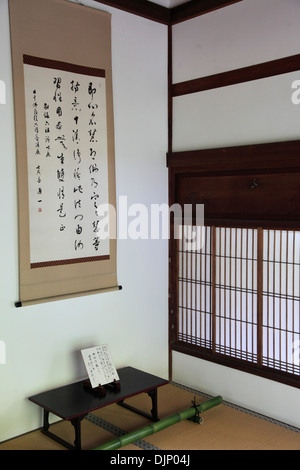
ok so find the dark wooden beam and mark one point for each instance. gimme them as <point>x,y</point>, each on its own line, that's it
<point>233,77</point>
<point>168,16</point>
<point>143,8</point>
<point>170,97</point>
<point>274,155</point>
<point>195,8</point>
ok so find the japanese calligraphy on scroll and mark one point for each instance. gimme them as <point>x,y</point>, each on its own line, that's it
<point>67,161</point>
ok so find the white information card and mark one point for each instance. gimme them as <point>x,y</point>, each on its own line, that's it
<point>99,365</point>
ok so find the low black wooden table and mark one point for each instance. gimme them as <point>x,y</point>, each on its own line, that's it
<point>73,402</point>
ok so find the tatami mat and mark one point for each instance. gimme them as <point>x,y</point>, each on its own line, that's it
<point>224,427</point>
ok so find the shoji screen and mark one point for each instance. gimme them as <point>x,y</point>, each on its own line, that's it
<point>227,307</point>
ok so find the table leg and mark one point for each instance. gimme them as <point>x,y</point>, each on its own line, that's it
<point>76,422</point>
<point>77,428</point>
<point>154,414</point>
<point>46,420</point>
<point>153,395</point>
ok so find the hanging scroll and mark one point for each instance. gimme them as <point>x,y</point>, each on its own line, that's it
<point>65,149</point>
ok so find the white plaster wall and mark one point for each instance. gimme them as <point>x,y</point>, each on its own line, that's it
<point>248,113</point>
<point>269,398</point>
<point>169,3</point>
<point>43,342</point>
<point>246,33</point>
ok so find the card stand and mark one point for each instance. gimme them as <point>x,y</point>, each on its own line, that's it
<point>100,391</point>
<point>115,385</point>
